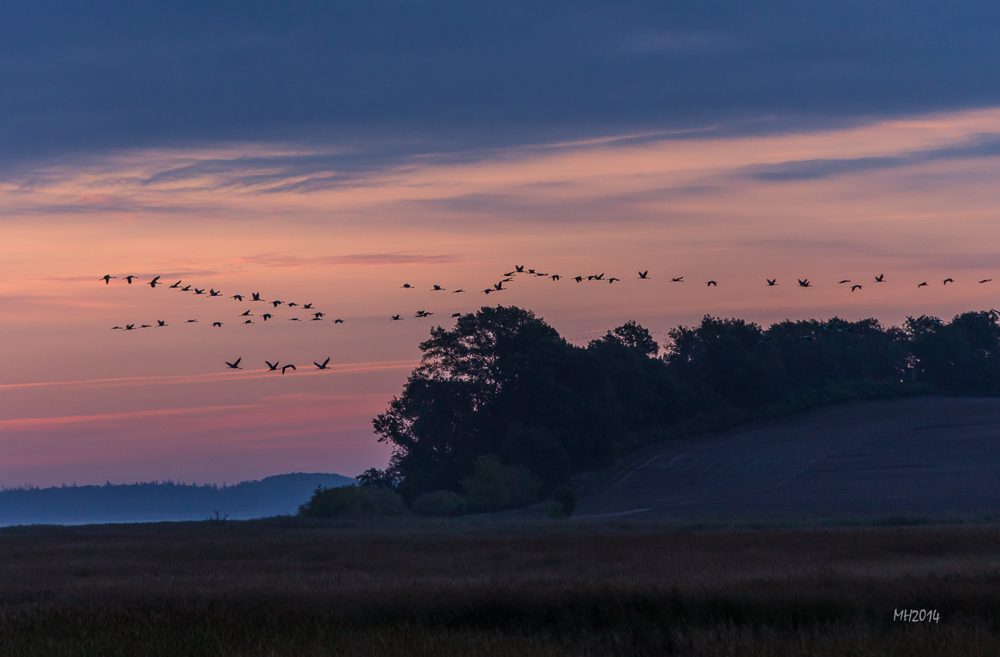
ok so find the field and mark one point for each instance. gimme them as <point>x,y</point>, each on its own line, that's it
<point>917,456</point>
<point>478,587</point>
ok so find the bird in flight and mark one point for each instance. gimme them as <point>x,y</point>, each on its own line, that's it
<point>846,280</point>
<point>644,275</point>
<point>107,278</point>
<point>407,286</point>
<point>986,280</point>
<point>924,284</point>
<point>238,297</point>
<point>804,282</point>
<point>217,324</point>
<point>175,285</point>
<point>272,367</point>
<point>771,282</point>
<point>130,327</point>
<point>395,318</point>
<point>323,366</point>
<point>156,281</point>
<point>948,280</point>
<point>129,279</point>
<point>214,293</point>
<point>192,321</point>
<point>291,304</point>
<point>319,315</point>
<point>201,291</point>
<point>295,319</point>
<point>116,327</point>
<point>613,279</point>
<point>236,365</point>
<point>855,287</point>
<point>160,323</point>
<point>277,303</point>
<point>555,277</point>
<point>308,306</point>
<point>267,316</point>
<point>146,326</point>
<point>519,268</point>
<point>498,286</point>
<point>880,278</point>
<point>246,314</point>
<point>679,279</point>
<point>423,313</point>
<point>249,321</point>
<point>578,279</point>
<point>438,288</point>
<point>185,288</point>
<point>285,367</point>
<point>338,321</point>
<point>457,291</point>
<point>256,296</point>
<point>487,290</point>
<point>711,283</point>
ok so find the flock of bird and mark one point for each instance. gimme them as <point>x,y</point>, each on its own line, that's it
<point>247,316</point>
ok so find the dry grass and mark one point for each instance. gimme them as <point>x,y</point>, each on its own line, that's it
<point>260,589</point>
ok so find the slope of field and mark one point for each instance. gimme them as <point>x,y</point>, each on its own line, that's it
<point>158,501</point>
<point>911,456</point>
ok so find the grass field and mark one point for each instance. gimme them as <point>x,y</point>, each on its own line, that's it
<point>569,588</point>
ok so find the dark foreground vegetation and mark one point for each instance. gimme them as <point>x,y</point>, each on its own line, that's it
<point>502,410</point>
<point>258,588</point>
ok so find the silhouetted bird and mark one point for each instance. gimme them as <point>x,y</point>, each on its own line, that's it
<point>644,275</point>
<point>488,290</point>
<point>578,279</point>
<point>920,285</point>
<point>213,293</point>
<point>246,314</point>
<point>129,279</point>
<point>130,327</point>
<point>396,318</point>
<point>855,287</point>
<point>880,278</point>
<point>555,277</point>
<point>711,283</point>
<point>286,367</point>
<point>160,323</point>
<point>156,281</point>
<point>217,324</point>
<point>267,316</point>
<point>238,297</point>
<point>236,365</point>
<point>256,296</point>
<point>175,285</point>
<point>407,286</point>
<point>338,321</point>
<point>323,366</point>
<point>986,280</point>
<point>457,291</point>
<point>679,279</point>
<point>291,304</point>
<point>192,321</point>
<point>319,314</point>
<point>201,291</point>
<point>185,288</point>
<point>107,278</point>
<point>948,280</point>
<point>295,319</point>
<point>804,282</point>
<point>308,306</point>
<point>276,303</point>
<point>519,268</point>
<point>271,367</point>
<point>146,326</point>
<point>771,282</point>
<point>846,280</point>
<point>498,286</point>
<point>249,321</point>
<point>437,288</point>
<point>116,327</point>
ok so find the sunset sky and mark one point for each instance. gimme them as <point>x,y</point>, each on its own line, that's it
<point>329,154</point>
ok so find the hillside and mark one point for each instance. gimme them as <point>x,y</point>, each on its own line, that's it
<point>157,501</point>
<point>921,455</point>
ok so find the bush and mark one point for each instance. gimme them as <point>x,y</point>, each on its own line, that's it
<point>353,502</point>
<point>565,496</point>
<point>496,486</point>
<point>440,503</point>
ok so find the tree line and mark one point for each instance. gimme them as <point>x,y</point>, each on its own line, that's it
<point>502,389</point>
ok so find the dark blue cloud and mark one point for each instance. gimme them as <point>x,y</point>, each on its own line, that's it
<point>416,77</point>
<point>985,145</point>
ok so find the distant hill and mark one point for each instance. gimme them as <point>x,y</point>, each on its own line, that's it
<point>158,501</point>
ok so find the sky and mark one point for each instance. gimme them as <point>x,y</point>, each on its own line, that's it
<point>330,154</point>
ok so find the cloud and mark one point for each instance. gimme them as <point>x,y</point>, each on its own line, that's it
<point>387,79</point>
<point>979,146</point>
<point>364,259</point>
